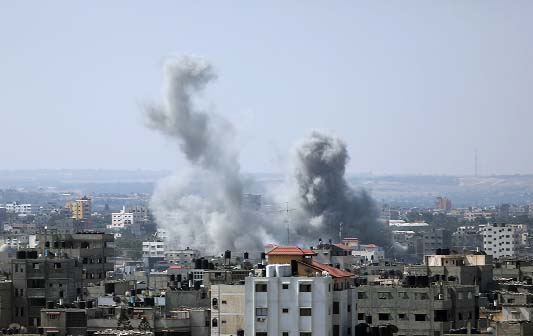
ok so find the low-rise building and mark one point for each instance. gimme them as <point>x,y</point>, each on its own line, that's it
<point>417,307</point>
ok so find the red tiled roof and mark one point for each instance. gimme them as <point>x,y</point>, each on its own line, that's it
<point>175,267</point>
<point>369,245</point>
<point>290,250</point>
<point>357,239</point>
<point>333,271</point>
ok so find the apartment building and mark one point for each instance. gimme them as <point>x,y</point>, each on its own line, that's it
<point>299,296</point>
<point>469,268</point>
<point>417,307</point>
<point>80,209</point>
<point>184,258</point>
<point>92,249</point>
<point>120,220</point>
<point>227,310</point>
<point>39,282</point>
<point>501,240</point>
<point>467,238</point>
<point>19,209</point>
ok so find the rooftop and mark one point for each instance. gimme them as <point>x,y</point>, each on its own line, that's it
<point>290,250</point>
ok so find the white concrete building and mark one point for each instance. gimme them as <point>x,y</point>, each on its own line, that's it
<point>227,310</point>
<point>302,298</point>
<point>501,240</point>
<point>20,209</point>
<point>120,220</point>
<point>153,249</point>
<point>183,258</point>
<point>369,253</point>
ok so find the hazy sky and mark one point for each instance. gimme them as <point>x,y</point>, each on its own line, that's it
<point>411,86</point>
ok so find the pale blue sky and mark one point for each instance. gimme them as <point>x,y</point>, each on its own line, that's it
<point>411,86</point>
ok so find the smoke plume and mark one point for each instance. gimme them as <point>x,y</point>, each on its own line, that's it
<point>325,197</point>
<point>202,207</point>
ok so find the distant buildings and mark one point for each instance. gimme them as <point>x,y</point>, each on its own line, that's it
<point>467,238</point>
<point>120,220</point>
<point>80,209</point>
<point>19,209</point>
<point>444,204</point>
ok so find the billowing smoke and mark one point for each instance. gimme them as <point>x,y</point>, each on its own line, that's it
<point>325,197</point>
<point>201,207</point>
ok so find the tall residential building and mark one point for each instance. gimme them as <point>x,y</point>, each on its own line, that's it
<point>153,252</point>
<point>92,249</point>
<point>40,281</point>
<point>502,240</point>
<point>80,209</point>
<point>299,296</point>
<point>227,310</point>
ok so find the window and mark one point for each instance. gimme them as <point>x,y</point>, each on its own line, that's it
<point>403,295</point>
<point>261,333</point>
<point>368,319</point>
<point>361,295</point>
<point>57,265</point>
<point>285,333</point>
<point>36,266</point>
<point>403,317</point>
<point>53,316</point>
<point>335,307</point>
<point>305,288</point>
<point>285,286</point>
<point>384,295</point>
<point>285,310</point>
<point>261,288</point>
<point>261,311</point>
<point>336,330</point>
<point>384,316</point>
<point>306,334</point>
<point>349,308</point>
<point>305,312</point>
<point>420,317</point>
<point>460,316</point>
<point>214,323</point>
<point>360,316</point>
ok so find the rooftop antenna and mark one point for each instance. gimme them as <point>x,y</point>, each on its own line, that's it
<point>340,232</point>
<point>287,210</point>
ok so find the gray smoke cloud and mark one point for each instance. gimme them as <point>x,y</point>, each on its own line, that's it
<point>325,197</point>
<point>201,207</point>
